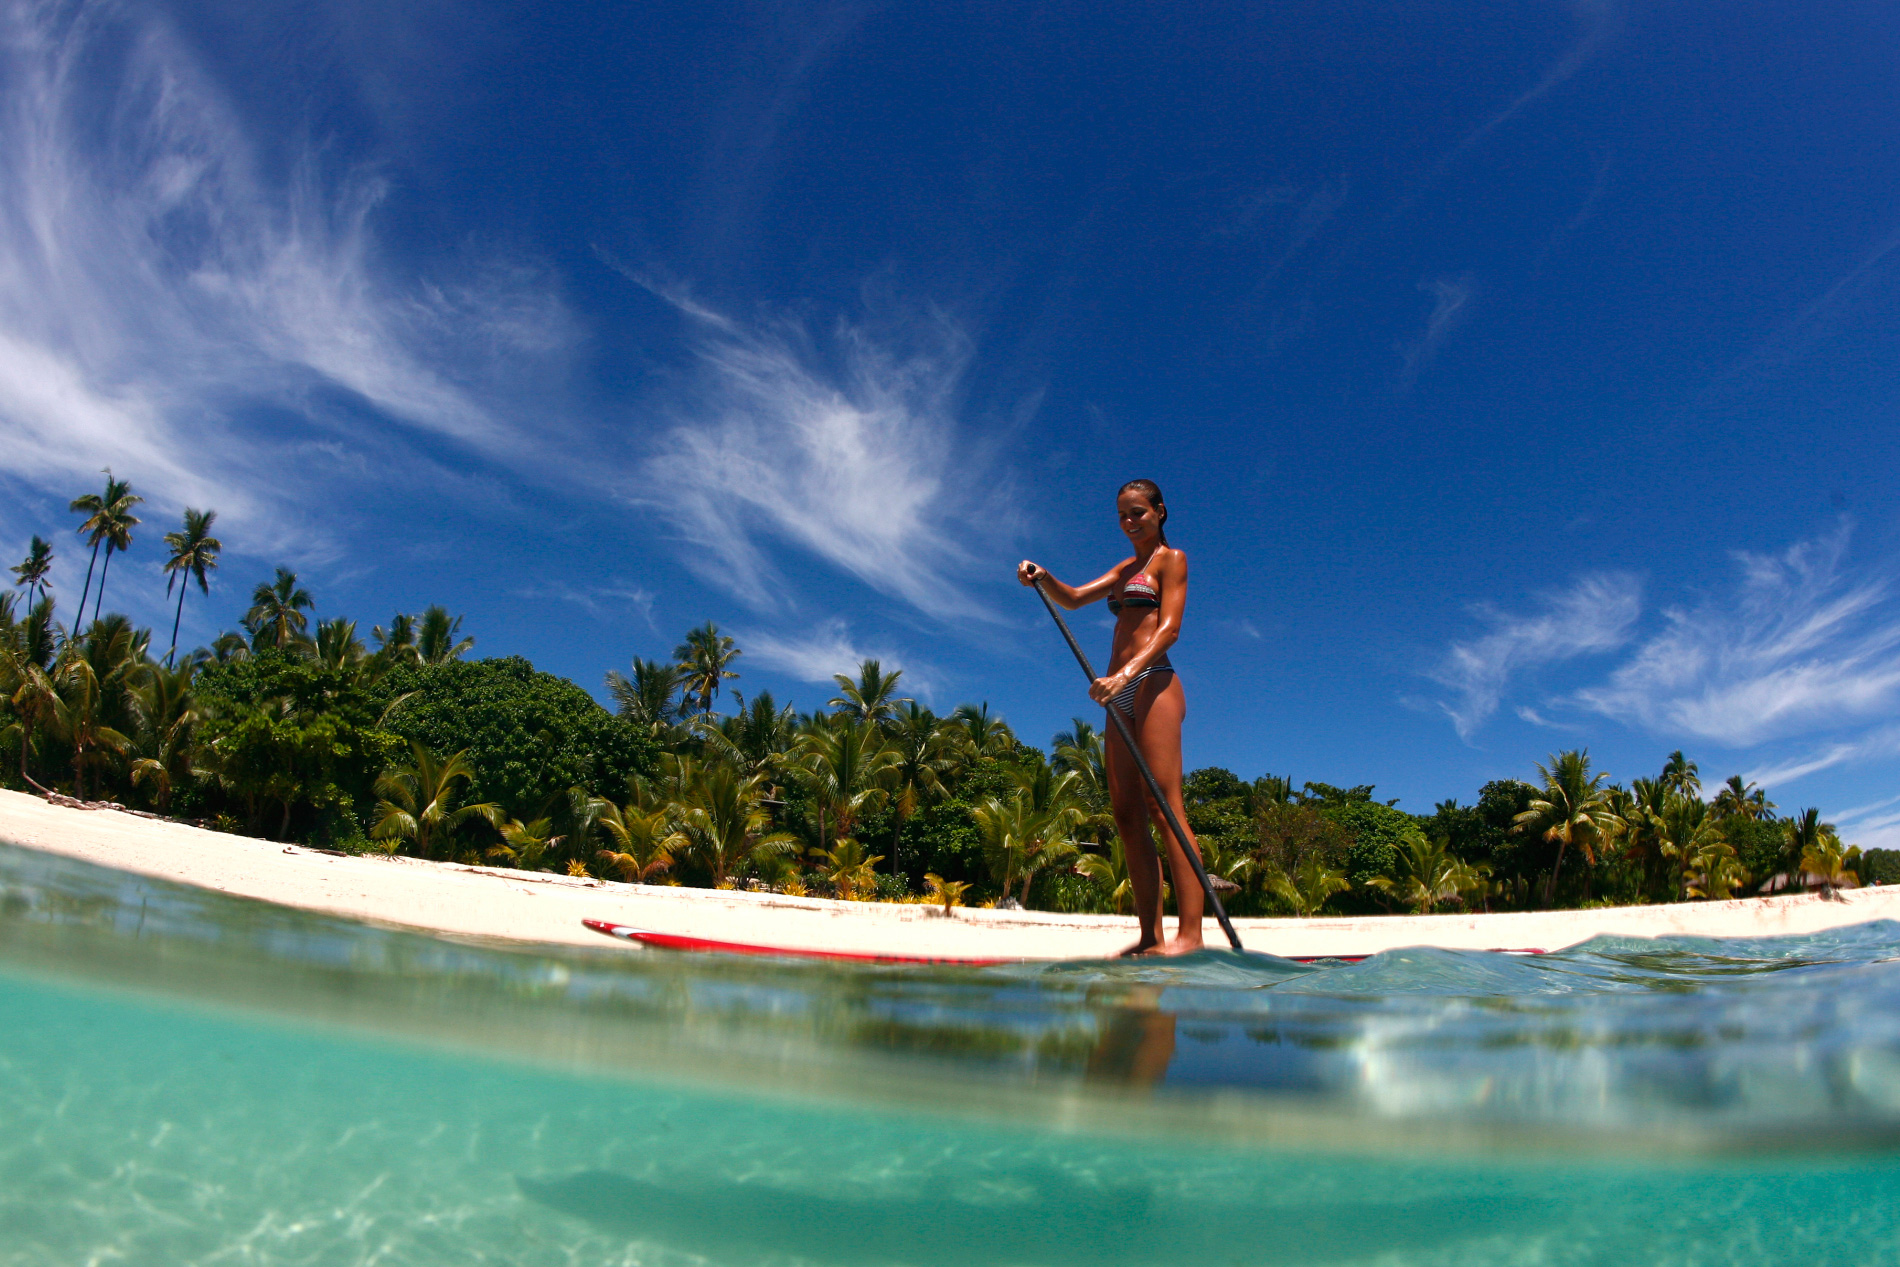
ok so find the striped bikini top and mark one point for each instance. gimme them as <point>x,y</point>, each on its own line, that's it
<point>1138,593</point>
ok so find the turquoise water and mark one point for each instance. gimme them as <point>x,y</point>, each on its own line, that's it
<point>190,1078</point>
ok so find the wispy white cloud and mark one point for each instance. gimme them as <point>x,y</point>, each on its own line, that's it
<point>830,648</point>
<point>612,599</point>
<point>1526,713</point>
<point>1316,211</point>
<point>1451,304</point>
<point>156,286</point>
<point>1798,647</point>
<point>1870,830</point>
<point>1596,615</point>
<point>1598,22</point>
<point>1863,811</point>
<point>1884,742</point>
<point>849,450</point>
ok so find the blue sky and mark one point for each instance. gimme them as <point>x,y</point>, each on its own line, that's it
<point>1521,376</point>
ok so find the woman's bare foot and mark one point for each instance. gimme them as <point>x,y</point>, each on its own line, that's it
<point>1146,946</point>
<point>1181,946</point>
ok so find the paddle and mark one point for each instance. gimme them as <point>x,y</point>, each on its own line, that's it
<point>1141,763</point>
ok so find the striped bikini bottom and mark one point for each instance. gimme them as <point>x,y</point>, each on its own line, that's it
<point>1125,698</point>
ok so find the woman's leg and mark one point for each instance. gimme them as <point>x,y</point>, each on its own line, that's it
<point>1159,710</point>
<point>1129,799</point>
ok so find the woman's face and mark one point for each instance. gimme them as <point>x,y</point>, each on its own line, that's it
<point>1140,520</point>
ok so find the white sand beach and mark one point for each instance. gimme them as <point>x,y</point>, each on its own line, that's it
<point>447,898</point>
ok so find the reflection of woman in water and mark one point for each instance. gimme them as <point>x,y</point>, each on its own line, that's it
<point>1148,594</point>
<point>1136,1042</point>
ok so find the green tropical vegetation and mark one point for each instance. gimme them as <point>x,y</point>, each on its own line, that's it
<point>293,728</point>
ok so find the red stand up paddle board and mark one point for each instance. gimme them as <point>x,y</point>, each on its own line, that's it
<point>676,941</point>
<point>706,945</point>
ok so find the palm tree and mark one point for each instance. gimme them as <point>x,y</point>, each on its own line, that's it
<point>847,768</point>
<point>1831,863</point>
<point>1310,887</point>
<point>194,552</point>
<point>988,737</point>
<point>527,845</point>
<point>1429,874</point>
<point>32,699</point>
<point>230,647</point>
<point>1690,834</point>
<point>435,637</point>
<point>114,523</point>
<point>1802,837</point>
<point>849,870</point>
<point>724,823</point>
<point>949,892</point>
<point>80,714</point>
<point>119,522</point>
<point>1110,871</point>
<point>705,660</point>
<point>276,617</point>
<point>418,800</point>
<point>1227,862</point>
<point>397,644</point>
<point>1054,799</point>
<point>641,839</point>
<point>1742,800</point>
<point>168,720</point>
<point>95,706</point>
<point>1030,831</point>
<point>1681,775</point>
<point>758,735</point>
<point>873,697</point>
<point>1573,808</point>
<point>647,699</point>
<point>39,635</point>
<point>33,570</point>
<point>1273,789</point>
<point>1003,828</point>
<point>338,647</point>
<point>101,511</point>
<point>926,758</point>
<point>1713,871</point>
<point>1080,751</point>
<point>1645,818</point>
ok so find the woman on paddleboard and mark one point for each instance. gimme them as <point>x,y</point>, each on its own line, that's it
<point>1147,594</point>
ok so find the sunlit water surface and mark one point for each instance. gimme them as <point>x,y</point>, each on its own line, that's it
<point>190,1078</point>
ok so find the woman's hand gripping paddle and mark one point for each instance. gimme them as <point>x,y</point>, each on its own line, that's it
<point>1141,763</point>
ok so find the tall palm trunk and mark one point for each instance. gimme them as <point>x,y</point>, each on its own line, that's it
<point>80,618</point>
<point>178,616</point>
<point>99,601</point>
<point>1550,888</point>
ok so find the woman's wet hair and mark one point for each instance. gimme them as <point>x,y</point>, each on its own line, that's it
<point>1152,491</point>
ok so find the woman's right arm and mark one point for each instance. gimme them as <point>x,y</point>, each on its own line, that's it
<point>1069,596</point>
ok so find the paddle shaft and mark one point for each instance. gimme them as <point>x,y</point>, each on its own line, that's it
<point>1154,786</point>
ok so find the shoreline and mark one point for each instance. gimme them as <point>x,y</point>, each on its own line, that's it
<point>452,899</point>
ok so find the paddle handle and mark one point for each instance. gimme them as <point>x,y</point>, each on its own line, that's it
<point>1154,785</point>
